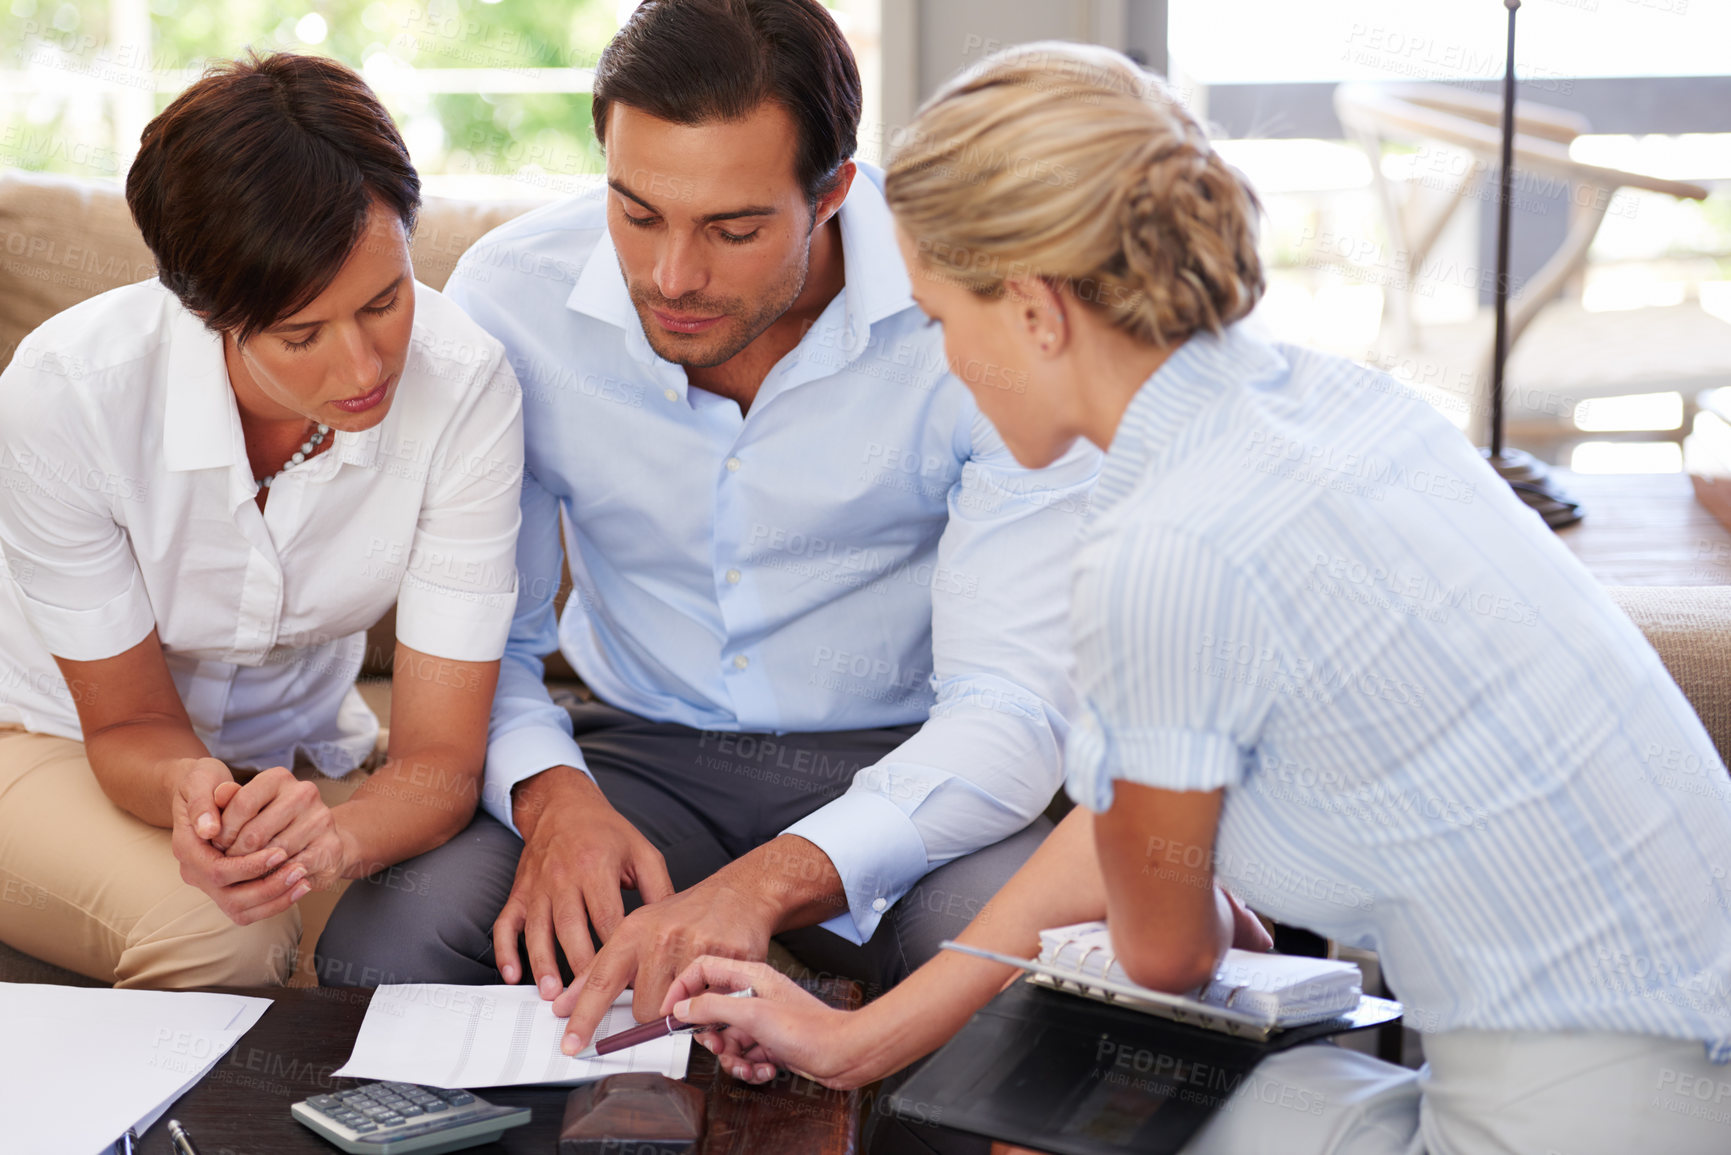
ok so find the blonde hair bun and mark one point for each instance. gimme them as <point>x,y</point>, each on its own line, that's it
<point>1068,162</point>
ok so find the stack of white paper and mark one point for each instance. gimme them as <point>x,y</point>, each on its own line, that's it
<point>1288,990</point>
<point>81,1065</point>
<point>494,1036</point>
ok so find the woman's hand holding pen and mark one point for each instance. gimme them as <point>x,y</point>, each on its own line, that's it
<point>784,1026</point>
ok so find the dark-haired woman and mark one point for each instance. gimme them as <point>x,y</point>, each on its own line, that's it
<point>211,484</point>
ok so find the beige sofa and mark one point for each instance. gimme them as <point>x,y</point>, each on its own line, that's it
<point>63,240</point>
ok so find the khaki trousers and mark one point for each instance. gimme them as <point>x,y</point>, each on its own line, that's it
<point>89,887</point>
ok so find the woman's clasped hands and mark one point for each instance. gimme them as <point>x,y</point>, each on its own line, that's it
<point>255,849</point>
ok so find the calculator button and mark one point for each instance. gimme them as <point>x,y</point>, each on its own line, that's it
<point>410,1110</point>
<point>459,1098</point>
<point>392,1121</point>
<point>322,1102</point>
<point>363,1127</point>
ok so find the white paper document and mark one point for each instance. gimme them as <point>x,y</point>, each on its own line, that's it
<point>80,1065</point>
<point>495,1036</point>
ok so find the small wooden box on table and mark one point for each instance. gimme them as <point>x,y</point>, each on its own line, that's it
<point>242,1106</point>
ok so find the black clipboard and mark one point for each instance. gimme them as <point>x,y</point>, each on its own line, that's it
<point>1076,1076</point>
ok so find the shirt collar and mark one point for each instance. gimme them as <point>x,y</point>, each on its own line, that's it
<point>1197,374</point>
<point>876,282</point>
<point>201,421</point>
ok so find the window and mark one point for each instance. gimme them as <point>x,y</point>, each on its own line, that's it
<point>492,97</point>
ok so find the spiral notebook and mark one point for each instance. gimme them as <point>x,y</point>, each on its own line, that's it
<point>1272,991</point>
<point>1252,995</point>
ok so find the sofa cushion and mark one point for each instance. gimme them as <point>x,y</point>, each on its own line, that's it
<point>61,240</point>
<point>1690,626</point>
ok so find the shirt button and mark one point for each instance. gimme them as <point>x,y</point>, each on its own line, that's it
<point>733,577</point>
<point>740,661</point>
<point>673,394</point>
<point>733,465</point>
<point>879,904</point>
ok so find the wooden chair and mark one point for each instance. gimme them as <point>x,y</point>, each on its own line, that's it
<point>1375,115</point>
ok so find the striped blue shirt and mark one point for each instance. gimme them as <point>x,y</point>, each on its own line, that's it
<point>1438,737</point>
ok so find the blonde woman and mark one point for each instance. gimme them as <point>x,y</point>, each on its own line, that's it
<point>1319,643</point>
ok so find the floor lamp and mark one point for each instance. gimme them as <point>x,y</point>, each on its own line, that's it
<point>1527,475</point>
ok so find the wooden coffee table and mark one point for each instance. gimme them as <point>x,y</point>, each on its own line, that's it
<point>242,1106</point>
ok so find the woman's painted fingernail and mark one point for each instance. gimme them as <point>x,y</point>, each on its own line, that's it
<point>682,1009</point>
<point>296,875</point>
<point>301,892</point>
<point>277,858</point>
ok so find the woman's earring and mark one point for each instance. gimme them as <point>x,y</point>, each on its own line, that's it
<point>1047,342</point>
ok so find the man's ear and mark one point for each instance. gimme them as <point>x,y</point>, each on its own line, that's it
<point>830,202</point>
<point>1042,315</point>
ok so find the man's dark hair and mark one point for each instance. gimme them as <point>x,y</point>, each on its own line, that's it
<point>695,61</point>
<point>252,187</point>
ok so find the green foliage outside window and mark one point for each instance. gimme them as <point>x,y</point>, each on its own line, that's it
<point>55,116</point>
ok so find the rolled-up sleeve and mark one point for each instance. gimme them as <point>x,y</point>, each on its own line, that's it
<point>66,554</point>
<point>1178,664</point>
<point>989,758</point>
<point>460,587</point>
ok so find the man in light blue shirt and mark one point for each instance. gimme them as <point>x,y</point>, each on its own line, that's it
<point>821,609</point>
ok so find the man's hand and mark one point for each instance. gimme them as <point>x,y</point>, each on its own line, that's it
<point>247,888</point>
<point>577,853</point>
<point>651,947</point>
<point>787,882</point>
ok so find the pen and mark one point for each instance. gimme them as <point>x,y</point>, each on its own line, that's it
<point>661,1028</point>
<point>181,1141</point>
<point>123,1145</point>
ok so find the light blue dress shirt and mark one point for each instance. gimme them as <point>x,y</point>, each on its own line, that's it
<point>1438,736</point>
<point>858,551</point>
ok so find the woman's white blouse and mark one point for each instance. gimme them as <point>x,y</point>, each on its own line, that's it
<point>127,504</point>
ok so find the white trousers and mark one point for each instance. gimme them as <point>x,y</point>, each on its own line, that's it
<point>1483,1093</point>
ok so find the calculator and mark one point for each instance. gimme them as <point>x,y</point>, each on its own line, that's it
<point>400,1118</point>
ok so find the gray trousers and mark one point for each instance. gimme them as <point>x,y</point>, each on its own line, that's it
<point>702,798</point>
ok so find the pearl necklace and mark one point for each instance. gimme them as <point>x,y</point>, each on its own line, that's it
<point>301,455</point>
